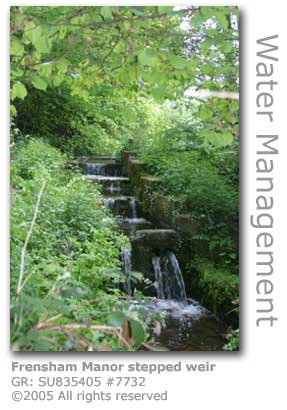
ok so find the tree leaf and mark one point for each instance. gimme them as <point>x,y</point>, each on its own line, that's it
<point>164,9</point>
<point>32,32</point>
<point>18,91</point>
<point>178,62</point>
<point>205,113</point>
<point>138,11</point>
<point>43,44</point>
<point>116,319</point>
<point>138,332</point>
<point>227,46</point>
<point>107,12</point>
<point>58,80</point>
<point>157,77</point>
<point>222,19</point>
<point>207,69</point>
<point>207,12</point>
<point>37,37</point>
<point>148,57</point>
<point>16,47</point>
<point>220,139</point>
<point>13,110</point>
<point>158,94</point>
<point>40,83</point>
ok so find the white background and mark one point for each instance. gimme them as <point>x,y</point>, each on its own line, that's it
<point>255,377</point>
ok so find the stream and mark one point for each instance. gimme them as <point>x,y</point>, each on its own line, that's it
<point>186,325</point>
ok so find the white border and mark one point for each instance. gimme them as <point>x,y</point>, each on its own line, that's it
<point>255,377</point>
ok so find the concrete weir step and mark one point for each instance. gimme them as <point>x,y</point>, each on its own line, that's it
<point>125,206</point>
<point>155,238</point>
<point>96,158</point>
<point>130,225</point>
<point>106,179</point>
<point>120,185</point>
<point>102,168</point>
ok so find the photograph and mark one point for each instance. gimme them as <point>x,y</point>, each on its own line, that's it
<point>124,178</point>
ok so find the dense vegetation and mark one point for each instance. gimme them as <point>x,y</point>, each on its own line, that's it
<point>97,80</point>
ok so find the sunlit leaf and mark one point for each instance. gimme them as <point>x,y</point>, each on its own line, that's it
<point>220,139</point>
<point>40,83</point>
<point>16,47</point>
<point>148,57</point>
<point>18,91</point>
<point>107,12</point>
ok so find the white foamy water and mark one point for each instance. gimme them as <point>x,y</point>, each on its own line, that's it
<point>172,309</point>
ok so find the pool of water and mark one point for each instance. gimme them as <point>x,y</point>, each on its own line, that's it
<point>183,326</point>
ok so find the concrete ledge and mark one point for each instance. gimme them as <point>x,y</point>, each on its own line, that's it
<point>155,238</point>
<point>135,171</point>
<point>127,155</point>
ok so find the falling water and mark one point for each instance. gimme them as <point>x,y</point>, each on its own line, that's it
<point>133,207</point>
<point>158,277</point>
<point>109,202</point>
<point>114,187</point>
<point>127,267</point>
<point>178,275</point>
<point>170,284</point>
<point>94,168</point>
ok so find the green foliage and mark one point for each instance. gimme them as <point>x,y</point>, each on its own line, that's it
<point>234,343</point>
<point>219,286</point>
<point>205,182</point>
<point>69,203</point>
<point>208,191</point>
<point>216,48</point>
<point>137,327</point>
<point>138,332</point>
<point>167,128</point>
<point>103,124</point>
<point>85,47</point>
<point>94,80</point>
<point>220,122</point>
<point>18,90</point>
<point>149,51</point>
<point>72,257</point>
<point>35,160</point>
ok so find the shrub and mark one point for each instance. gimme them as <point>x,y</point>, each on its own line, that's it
<point>102,124</point>
<point>220,288</point>
<point>34,158</point>
<point>73,254</point>
<point>206,194</point>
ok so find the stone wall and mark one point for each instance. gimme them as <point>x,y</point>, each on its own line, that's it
<point>163,210</point>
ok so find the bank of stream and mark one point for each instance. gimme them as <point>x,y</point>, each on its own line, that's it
<point>187,326</point>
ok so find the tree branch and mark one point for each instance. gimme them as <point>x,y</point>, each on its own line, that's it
<point>74,326</point>
<point>23,252</point>
<point>103,23</point>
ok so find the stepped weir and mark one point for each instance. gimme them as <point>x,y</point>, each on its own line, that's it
<point>188,325</point>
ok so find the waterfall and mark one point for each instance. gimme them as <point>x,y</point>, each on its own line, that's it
<point>133,207</point>
<point>109,202</point>
<point>127,267</point>
<point>94,169</point>
<point>114,187</point>
<point>158,276</point>
<point>177,275</point>
<point>170,283</point>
